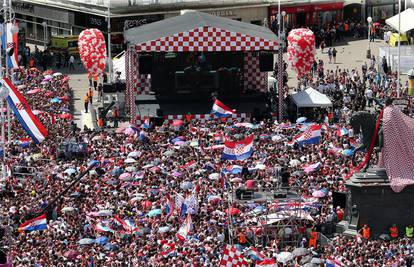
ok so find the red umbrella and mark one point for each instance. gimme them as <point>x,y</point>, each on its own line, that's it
<point>155,169</point>
<point>250,184</point>
<point>146,204</point>
<point>233,211</point>
<point>66,116</point>
<point>64,98</point>
<point>34,91</point>
<point>177,123</point>
<point>49,93</point>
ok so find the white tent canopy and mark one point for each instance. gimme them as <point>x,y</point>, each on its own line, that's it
<point>311,98</point>
<point>119,65</point>
<point>407,21</point>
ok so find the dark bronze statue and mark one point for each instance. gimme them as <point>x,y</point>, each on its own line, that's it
<point>364,122</point>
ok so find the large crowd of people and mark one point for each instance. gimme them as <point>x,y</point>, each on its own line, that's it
<point>151,180</point>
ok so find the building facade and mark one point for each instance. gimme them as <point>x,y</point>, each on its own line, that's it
<point>64,18</point>
<point>308,13</point>
<point>380,10</point>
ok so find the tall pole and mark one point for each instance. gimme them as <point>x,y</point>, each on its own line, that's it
<point>109,42</point>
<point>399,50</point>
<point>280,64</point>
<point>3,171</point>
<point>6,29</point>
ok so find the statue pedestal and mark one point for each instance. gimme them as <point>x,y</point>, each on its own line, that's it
<point>371,201</point>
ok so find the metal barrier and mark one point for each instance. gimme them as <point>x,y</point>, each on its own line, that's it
<point>23,171</point>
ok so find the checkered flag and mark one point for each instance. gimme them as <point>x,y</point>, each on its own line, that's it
<point>232,258</point>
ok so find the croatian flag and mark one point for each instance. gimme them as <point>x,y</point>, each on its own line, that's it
<point>256,255</point>
<point>221,110</point>
<point>128,225</point>
<point>313,167</point>
<point>12,46</point>
<point>353,142</point>
<point>24,114</point>
<point>101,228</point>
<point>267,263</point>
<point>189,165</point>
<point>309,137</point>
<point>233,169</point>
<point>342,131</point>
<point>185,228</point>
<point>169,249</point>
<point>239,150</point>
<point>36,224</point>
<point>24,142</point>
<point>169,207</point>
<point>330,262</point>
<point>147,123</point>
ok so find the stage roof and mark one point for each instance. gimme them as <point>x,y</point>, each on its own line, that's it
<point>198,31</point>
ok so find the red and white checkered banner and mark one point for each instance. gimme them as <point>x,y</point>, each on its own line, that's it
<point>207,39</point>
<point>232,258</point>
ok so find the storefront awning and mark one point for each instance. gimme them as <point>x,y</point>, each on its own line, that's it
<point>407,21</point>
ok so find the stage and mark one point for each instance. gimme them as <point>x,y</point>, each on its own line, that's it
<point>147,105</point>
<point>175,66</point>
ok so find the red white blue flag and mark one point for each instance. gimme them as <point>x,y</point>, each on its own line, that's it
<point>309,137</point>
<point>36,224</point>
<point>30,123</point>
<point>221,110</point>
<point>169,207</point>
<point>11,47</point>
<point>238,150</point>
<point>185,228</point>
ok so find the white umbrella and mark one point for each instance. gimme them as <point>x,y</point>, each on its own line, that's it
<point>276,138</point>
<point>67,209</point>
<point>301,120</point>
<point>300,252</point>
<point>131,169</point>
<point>260,166</point>
<point>163,229</point>
<point>134,154</point>
<point>236,180</point>
<point>104,213</point>
<point>130,160</point>
<point>86,241</point>
<point>294,163</point>
<point>284,257</point>
<point>186,185</point>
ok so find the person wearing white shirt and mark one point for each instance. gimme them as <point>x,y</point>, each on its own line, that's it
<point>368,95</point>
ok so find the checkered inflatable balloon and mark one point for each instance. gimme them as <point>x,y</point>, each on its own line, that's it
<point>301,50</point>
<point>92,51</point>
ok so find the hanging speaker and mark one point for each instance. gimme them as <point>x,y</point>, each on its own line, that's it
<point>266,61</point>
<point>145,64</point>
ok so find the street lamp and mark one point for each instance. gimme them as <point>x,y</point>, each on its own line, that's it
<point>369,20</point>
<point>281,33</point>
<point>389,33</point>
<point>4,93</point>
<point>44,24</point>
<point>1,59</point>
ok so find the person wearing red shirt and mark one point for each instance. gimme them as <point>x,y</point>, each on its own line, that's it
<point>339,214</point>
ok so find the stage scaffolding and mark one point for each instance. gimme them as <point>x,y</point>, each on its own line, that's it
<point>284,225</point>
